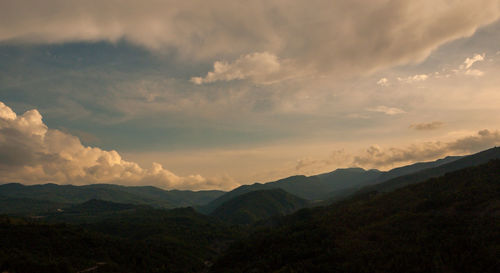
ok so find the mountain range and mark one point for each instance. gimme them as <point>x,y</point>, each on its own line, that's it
<point>330,187</point>
<point>319,189</point>
<point>440,216</point>
<point>53,195</point>
<point>445,224</point>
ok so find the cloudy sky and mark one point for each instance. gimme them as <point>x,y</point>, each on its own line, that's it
<point>214,94</point>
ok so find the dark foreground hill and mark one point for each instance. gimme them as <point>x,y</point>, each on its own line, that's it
<point>446,224</point>
<point>133,239</point>
<point>258,205</point>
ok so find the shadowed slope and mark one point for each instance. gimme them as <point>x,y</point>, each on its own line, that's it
<point>446,224</point>
<point>258,205</point>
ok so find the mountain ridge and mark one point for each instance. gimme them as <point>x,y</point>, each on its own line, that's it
<point>72,194</point>
<point>446,224</point>
<point>424,174</point>
<point>329,187</point>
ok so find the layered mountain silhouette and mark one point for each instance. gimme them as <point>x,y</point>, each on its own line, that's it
<point>342,183</point>
<point>440,169</point>
<point>64,195</point>
<point>440,216</point>
<point>319,189</point>
<point>445,224</point>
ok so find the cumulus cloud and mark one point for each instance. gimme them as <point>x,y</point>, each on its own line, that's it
<point>32,153</point>
<point>387,110</point>
<point>337,37</point>
<point>376,156</point>
<point>465,68</point>
<point>427,126</point>
<point>259,67</point>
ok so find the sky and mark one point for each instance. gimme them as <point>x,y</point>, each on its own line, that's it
<point>215,94</point>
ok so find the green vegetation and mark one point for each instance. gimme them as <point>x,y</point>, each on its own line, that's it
<point>258,205</point>
<point>446,224</point>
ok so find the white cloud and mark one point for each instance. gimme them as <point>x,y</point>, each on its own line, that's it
<point>31,153</point>
<point>258,67</point>
<point>470,61</point>
<point>414,78</point>
<point>320,35</point>
<point>465,68</point>
<point>387,110</point>
<point>6,112</point>
<point>383,82</point>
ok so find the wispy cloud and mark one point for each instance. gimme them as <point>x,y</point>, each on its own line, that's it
<point>414,78</point>
<point>427,126</point>
<point>462,69</point>
<point>387,110</point>
<point>474,72</point>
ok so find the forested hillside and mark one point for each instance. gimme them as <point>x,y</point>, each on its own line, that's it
<point>113,238</point>
<point>446,224</point>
